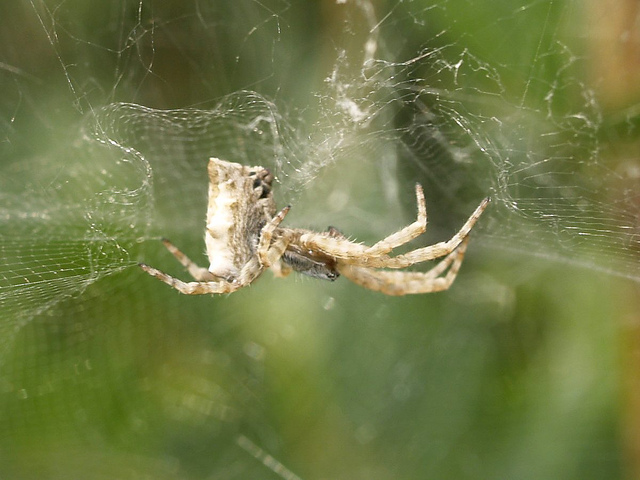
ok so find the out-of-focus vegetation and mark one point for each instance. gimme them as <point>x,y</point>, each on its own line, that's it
<point>525,369</point>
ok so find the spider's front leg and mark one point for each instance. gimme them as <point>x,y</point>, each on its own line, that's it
<point>406,234</point>
<point>351,253</point>
<point>340,247</point>
<point>439,249</point>
<point>405,283</point>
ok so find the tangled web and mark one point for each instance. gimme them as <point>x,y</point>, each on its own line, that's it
<point>76,214</point>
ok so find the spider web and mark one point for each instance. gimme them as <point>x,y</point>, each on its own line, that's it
<point>108,119</point>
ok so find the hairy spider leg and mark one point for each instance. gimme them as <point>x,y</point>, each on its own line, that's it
<point>270,254</point>
<point>439,249</point>
<point>207,282</point>
<point>404,283</point>
<point>407,233</point>
<point>192,288</point>
<point>360,255</point>
<point>385,245</point>
<point>199,273</point>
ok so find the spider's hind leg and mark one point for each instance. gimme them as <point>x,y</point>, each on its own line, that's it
<point>191,288</point>
<point>201,274</point>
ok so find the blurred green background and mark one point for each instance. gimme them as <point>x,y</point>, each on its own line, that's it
<point>525,369</point>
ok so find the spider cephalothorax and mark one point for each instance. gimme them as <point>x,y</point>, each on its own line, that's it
<point>243,237</point>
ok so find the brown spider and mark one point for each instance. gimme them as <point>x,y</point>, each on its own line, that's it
<point>243,237</point>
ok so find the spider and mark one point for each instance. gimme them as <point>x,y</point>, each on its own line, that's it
<point>243,237</point>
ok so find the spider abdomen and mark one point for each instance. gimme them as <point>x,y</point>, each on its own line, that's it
<point>219,232</point>
<point>240,203</point>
